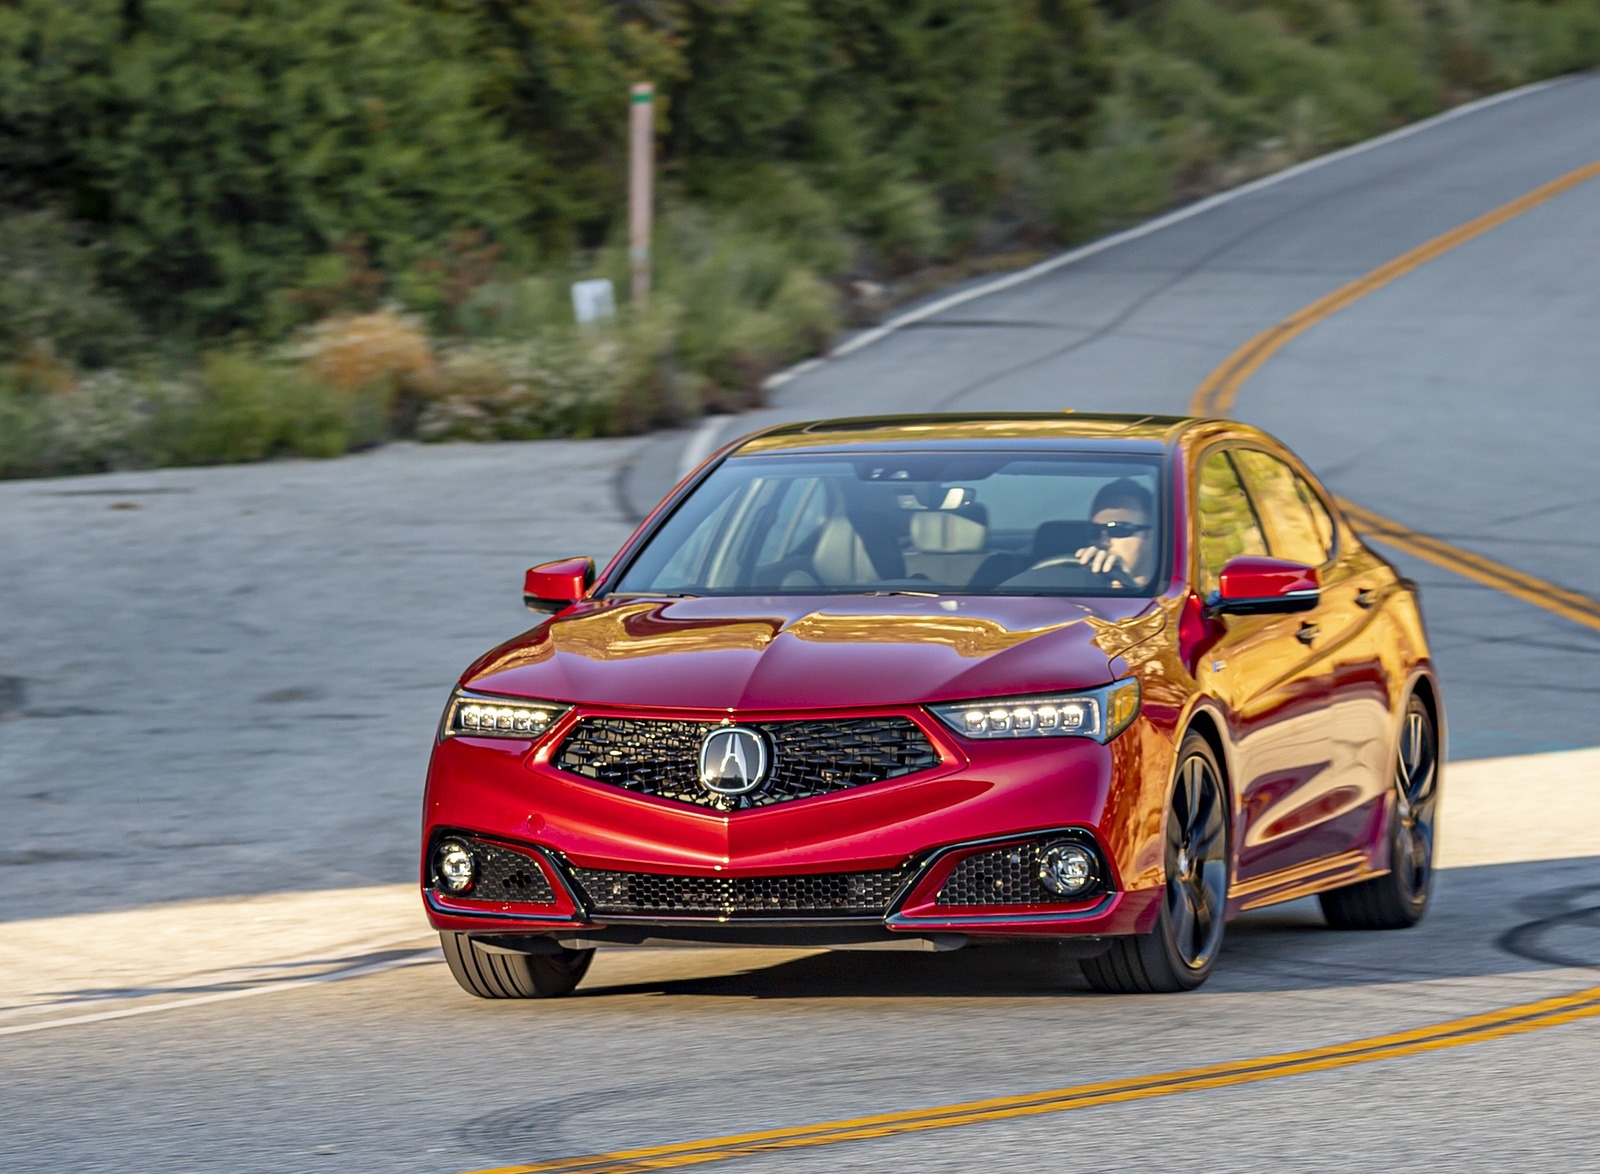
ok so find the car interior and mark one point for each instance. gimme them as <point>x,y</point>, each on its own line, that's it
<point>850,530</point>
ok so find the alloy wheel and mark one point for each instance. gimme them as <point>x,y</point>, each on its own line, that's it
<point>1197,867</point>
<point>1416,802</point>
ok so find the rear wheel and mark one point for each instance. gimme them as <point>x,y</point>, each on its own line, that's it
<point>1399,898</point>
<point>493,975</point>
<point>1178,954</point>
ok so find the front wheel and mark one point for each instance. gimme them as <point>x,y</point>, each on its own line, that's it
<point>1399,898</point>
<point>1178,954</point>
<point>490,974</point>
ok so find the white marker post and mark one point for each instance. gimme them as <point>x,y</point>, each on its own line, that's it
<point>641,167</point>
<point>593,301</point>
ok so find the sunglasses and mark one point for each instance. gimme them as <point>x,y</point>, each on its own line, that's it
<point>1121,529</point>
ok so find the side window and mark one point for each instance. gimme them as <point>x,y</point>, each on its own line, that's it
<point>1226,522</point>
<point>1294,529</point>
<point>1321,520</point>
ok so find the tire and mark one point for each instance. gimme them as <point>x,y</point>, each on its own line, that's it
<point>1399,898</point>
<point>1178,954</point>
<point>492,975</point>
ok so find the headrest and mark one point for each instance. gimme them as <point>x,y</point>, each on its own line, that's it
<point>841,557</point>
<point>1063,537</point>
<point>943,532</point>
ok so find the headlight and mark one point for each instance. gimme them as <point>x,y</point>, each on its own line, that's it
<point>1100,714</point>
<point>477,715</point>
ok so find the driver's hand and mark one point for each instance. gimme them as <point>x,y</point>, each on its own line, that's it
<point>1102,562</point>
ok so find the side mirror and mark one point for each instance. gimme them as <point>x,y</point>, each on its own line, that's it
<point>1251,586</point>
<point>550,587</point>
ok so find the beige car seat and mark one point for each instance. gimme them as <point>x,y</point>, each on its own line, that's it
<point>948,547</point>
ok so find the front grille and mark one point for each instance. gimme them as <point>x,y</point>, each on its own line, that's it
<point>1003,876</point>
<point>649,894</point>
<point>503,875</point>
<point>662,758</point>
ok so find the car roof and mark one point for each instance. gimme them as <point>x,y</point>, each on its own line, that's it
<point>1009,430</point>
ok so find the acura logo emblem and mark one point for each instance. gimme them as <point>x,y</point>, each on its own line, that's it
<point>733,760</point>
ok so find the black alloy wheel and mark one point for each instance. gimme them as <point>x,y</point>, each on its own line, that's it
<point>502,974</point>
<point>1178,954</point>
<point>1399,898</point>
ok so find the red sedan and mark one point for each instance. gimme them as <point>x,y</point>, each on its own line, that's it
<point>937,682</point>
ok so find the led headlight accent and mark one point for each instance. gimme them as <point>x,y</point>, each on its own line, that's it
<point>1100,714</point>
<point>477,716</point>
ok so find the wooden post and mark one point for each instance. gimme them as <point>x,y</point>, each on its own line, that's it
<point>641,168</point>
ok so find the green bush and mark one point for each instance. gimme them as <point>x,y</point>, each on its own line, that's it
<point>240,407</point>
<point>222,146</point>
<point>50,296</point>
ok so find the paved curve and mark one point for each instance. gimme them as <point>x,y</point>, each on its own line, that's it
<point>221,690</point>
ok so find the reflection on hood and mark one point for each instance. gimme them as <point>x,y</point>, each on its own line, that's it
<point>778,652</point>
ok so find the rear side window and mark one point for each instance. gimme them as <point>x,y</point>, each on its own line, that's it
<point>1298,527</point>
<point>1226,521</point>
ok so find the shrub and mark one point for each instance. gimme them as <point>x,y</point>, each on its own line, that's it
<point>220,148</point>
<point>98,422</point>
<point>567,383</point>
<point>50,297</point>
<point>240,407</point>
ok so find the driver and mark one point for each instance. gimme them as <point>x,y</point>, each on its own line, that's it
<point>1124,551</point>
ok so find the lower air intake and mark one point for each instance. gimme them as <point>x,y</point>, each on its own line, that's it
<point>828,894</point>
<point>502,875</point>
<point>1008,875</point>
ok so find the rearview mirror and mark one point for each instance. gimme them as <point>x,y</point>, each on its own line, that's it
<point>550,587</point>
<point>1251,586</point>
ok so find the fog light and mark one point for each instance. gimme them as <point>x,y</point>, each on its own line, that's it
<point>455,866</point>
<point>1066,869</point>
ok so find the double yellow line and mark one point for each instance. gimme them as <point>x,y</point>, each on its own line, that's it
<point>1453,1033</point>
<point>1563,601</point>
<point>1218,392</point>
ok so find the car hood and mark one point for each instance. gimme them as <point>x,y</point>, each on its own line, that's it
<point>809,652</point>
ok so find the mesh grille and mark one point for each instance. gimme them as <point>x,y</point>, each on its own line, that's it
<point>662,758</point>
<point>503,875</point>
<point>1003,876</point>
<point>852,894</point>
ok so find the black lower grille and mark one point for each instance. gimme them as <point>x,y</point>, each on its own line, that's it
<point>646,894</point>
<point>662,758</point>
<point>1003,876</point>
<point>502,874</point>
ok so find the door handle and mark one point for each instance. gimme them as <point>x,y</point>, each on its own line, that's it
<point>1366,597</point>
<point>1307,633</point>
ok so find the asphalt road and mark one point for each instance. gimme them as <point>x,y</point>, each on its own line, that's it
<point>224,682</point>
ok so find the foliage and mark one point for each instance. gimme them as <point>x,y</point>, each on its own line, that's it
<point>223,146</point>
<point>234,405</point>
<point>50,300</point>
<point>237,229</point>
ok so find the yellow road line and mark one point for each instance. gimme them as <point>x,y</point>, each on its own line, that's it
<point>1452,1033</point>
<point>1219,390</point>
<point>1569,604</point>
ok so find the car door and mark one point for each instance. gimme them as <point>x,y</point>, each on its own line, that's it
<point>1275,685</point>
<point>1334,814</point>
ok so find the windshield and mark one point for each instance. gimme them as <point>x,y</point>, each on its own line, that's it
<point>934,522</point>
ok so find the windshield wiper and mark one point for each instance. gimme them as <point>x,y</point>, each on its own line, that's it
<point>921,594</point>
<point>653,595</point>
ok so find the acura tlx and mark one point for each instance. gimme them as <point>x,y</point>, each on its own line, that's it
<point>1100,682</point>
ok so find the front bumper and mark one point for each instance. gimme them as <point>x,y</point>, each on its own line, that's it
<point>871,864</point>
